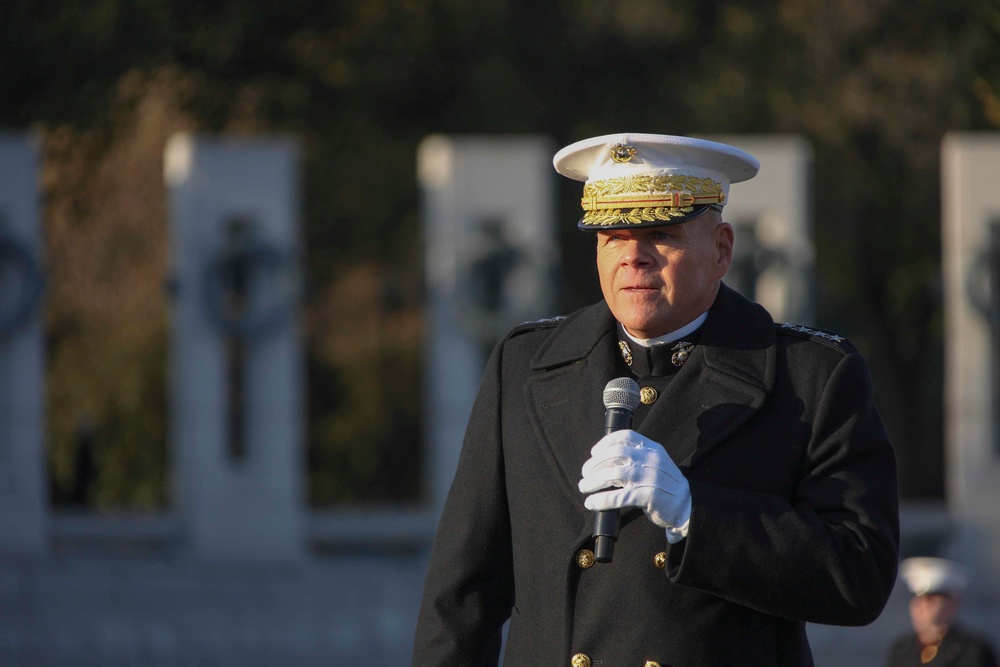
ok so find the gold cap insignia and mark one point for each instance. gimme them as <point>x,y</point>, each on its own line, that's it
<point>622,153</point>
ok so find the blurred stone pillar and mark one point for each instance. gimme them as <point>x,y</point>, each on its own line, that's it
<point>236,395</point>
<point>970,240</point>
<point>23,479</point>
<point>490,253</point>
<point>774,255</point>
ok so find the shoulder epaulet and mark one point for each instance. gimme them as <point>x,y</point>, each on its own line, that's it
<point>819,335</point>
<point>534,325</point>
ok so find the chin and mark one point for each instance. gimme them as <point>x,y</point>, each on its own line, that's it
<point>643,331</point>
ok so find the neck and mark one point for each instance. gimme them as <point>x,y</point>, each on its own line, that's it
<point>932,635</point>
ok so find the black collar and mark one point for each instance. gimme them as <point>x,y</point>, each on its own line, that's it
<point>659,360</point>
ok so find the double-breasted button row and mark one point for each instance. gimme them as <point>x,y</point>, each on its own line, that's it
<point>583,660</point>
<point>585,559</point>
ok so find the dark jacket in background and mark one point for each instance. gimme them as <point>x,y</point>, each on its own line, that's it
<point>958,649</point>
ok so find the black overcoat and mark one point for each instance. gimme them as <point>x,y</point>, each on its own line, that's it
<point>794,504</point>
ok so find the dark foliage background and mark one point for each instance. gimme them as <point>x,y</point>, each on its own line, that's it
<point>874,86</point>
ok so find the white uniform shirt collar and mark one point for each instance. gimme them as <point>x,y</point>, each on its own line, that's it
<point>672,336</point>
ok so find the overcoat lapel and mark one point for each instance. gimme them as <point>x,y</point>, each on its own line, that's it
<point>565,401</point>
<point>723,384</point>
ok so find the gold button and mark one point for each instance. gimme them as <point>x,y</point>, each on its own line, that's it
<point>660,560</point>
<point>585,558</point>
<point>652,663</point>
<point>648,395</point>
<point>581,660</point>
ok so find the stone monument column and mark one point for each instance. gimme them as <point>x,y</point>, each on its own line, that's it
<point>23,479</point>
<point>491,251</point>
<point>970,239</point>
<point>237,414</point>
<point>771,214</point>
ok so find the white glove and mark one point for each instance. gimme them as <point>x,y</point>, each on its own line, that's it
<point>643,475</point>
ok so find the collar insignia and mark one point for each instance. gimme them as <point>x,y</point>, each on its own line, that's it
<point>626,352</point>
<point>681,352</point>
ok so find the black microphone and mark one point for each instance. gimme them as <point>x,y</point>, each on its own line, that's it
<point>621,398</point>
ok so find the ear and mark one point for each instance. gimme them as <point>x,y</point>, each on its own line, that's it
<point>724,239</point>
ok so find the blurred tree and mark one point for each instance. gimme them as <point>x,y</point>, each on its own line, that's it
<point>106,255</point>
<point>873,86</point>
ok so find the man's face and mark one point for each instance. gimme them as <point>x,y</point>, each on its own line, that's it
<point>656,280</point>
<point>932,615</point>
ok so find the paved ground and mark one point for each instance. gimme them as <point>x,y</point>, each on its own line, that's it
<point>345,610</point>
<point>150,613</point>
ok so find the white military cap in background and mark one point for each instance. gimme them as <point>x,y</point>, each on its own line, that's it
<point>925,576</point>
<point>646,180</point>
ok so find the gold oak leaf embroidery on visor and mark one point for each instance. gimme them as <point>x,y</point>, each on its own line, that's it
<point>645,198</point>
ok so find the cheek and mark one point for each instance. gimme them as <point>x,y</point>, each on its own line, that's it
<point>606,276</point>
<point>685,271</point>
<point>605,267</point>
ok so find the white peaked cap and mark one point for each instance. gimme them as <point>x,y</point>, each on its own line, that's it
<point>925,576</point>
<point>635,180</point>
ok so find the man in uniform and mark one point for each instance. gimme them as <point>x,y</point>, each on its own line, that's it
<point>757,491</point>
<point>936,587</point>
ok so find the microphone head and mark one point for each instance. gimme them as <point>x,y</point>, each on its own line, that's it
<point>622,393</point>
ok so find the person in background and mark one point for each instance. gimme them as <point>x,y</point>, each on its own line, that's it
<point>756,489</point>
<point>936,587</point>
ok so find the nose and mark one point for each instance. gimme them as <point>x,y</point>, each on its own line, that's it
<point>636,253</point>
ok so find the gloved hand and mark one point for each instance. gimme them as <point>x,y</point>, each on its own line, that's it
<point>643,476</point>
